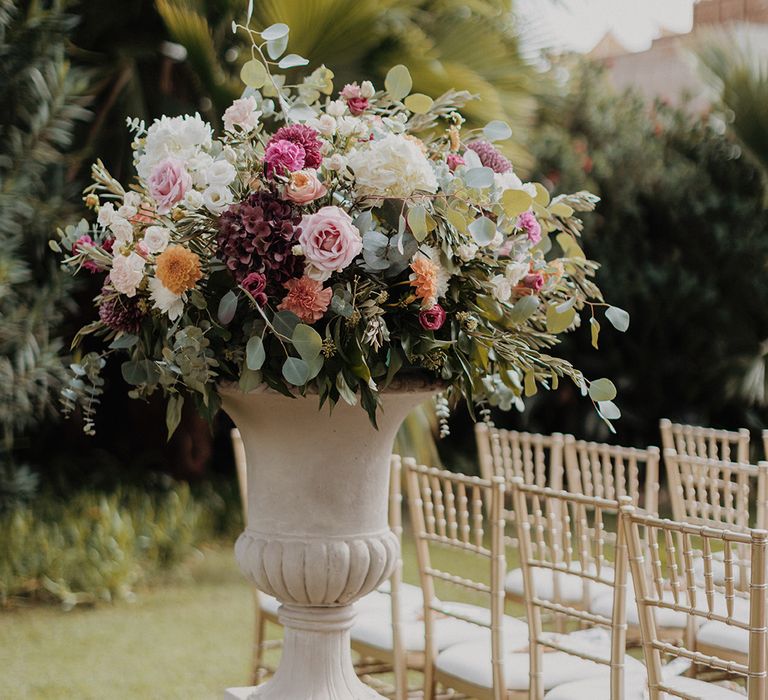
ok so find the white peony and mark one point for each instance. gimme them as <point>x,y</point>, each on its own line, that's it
<point>179,137</point>
<point>127,273</point>
<point>216,198</point>
<point>165,300</point>
<point>156,239</point>
<point>220,173</point>
<point>393,167</point>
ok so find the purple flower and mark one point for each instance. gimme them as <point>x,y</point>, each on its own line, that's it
<point>490,156</point>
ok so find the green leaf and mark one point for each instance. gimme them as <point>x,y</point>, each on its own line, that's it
<point>542,195</point>
<point>609,410</point>
<point>255,353</point>
<point>296,371</point>
<point>275,31</point>
<point>398,82</point>
<point>344,390</point>
<point>562,210</point>
<point>136,372</point>
<point>276,47</point>
<point>418,103</point>
<point>478,178</point>
<point>523,309</point>
<point>483,230</point>
<point>284,323</point>
<point>227,308</point>
<point>530,384</point>
<point>417,222</point>
<point>618,317</point>
<point>571,248</point>
<point>125,341</point>
<point>249,380</point>
<point>307,342</point>
<point>602,390</point>
<point>253,74</point>
<point>173,413</point>
<point>595,327</point>
<point>315,366</point>
<point>557,322</point>
<point>249,13</point>
<point>497,130</point>
<point>515,202</point>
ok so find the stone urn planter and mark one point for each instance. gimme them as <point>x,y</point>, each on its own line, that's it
<point>318,537</point>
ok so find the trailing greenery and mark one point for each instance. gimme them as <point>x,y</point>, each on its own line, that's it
<point>683,239</point>
<point>99,547</point>
<point>41,102</point>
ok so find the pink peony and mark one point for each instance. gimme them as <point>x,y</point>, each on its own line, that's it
<point>454,160</point>
<point>80,246</point>
<point>304,187</point>
<point>528,223</point>
<point>255,284</point>
<point>432,319</point>
<point>329,239</point>
<point>306,298</point>
<point>168,184</point>
<point>283,157</point>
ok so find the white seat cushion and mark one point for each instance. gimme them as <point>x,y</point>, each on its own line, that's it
<point>376,630</point>
<point>571,587</point>
<point>718,634</point>
<point>718,570</point>
<point>603,605</point>
<point>471,661</point>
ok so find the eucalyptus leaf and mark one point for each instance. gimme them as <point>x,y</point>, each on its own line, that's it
<point>483,230</point>
<point>618,317</point>
<point>296,371</point>
<point>253,74</point>
<point>542,195</point>
<point>125,341</point>
<point>227,308</point>
<point>609,410</point>
<point>249,13</point>
<point>418,103</point>
<point>315,366</point>
<point>602,390</point>
<point>515,202</point>
<point>173,413</point>
<point>558,322</point>
<point>307,342</point>
<point>249,380</point>
<point>275,31</point>
<point>595,328</point>
<point>497,130</point>
<point>398,82</point>
<point>276,47</point>
<point>478,178</point>
<point>523,309</point>
<point>255,354</point>
<point>530,384</point>
<point>417,221</point>
<point>284,323</point>
<point>301,112</point>
<point>292,60</point>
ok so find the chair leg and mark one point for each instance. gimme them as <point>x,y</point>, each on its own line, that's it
<point>430,684</point>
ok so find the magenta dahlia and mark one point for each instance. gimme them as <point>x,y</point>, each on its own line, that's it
<point>119,312</point>
<point>257,235</point>
<point>490,156</point>
<point>304,136</point>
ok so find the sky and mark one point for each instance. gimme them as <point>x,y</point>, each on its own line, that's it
<point>580,24</point>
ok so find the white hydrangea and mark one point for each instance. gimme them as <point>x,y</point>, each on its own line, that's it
<point>165,300</point>
<point>393,166</point>
<point>180,137</point>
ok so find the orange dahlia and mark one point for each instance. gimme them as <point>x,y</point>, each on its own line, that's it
<point>425,280</point>
<point>178,269</point>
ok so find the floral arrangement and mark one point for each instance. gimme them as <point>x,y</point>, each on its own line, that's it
<point>328,242</point>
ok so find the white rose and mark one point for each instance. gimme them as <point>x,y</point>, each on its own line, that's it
<point>198,166</point>
<point>367,90</point>
<point>127,273</point>
<point>242,113</point>
<point>193,199</point>
<point>106,214</point>
<point>220,173</point>
<point>351,126</point>
<point>156,239</point>
<point>501,288</point>
<point>122,229</point>
<point>466,251</point>
<point>216,198</point>
<point>336,108</point>
<point>516,271</point>
<point>165,300</point>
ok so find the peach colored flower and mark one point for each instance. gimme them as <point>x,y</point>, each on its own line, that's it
<point>424,280</point>
<point>178,269</point>
<point>306,298</point>
<point>304,187</point>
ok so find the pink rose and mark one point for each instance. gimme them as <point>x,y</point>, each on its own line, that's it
<point>357,105</point>
<point>534,281</point>
<point>304,187</point>
<point>283,157</point>
<point>529,224</point>
<point>329,239</point>
<point>432,319</point>
<point>306,298</point>
<point>168,184</point>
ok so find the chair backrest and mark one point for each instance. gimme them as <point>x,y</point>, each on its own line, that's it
<point>565,533</point>
<point>611,472</point>
<point>447,511</point>
<point>695,441</point>
<point>672,548</point>
<point>538,459</point>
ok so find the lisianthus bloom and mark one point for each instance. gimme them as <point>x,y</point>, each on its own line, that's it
<point>282,157</point>
<point>432,319</point>
<point>255,284</point>
<point>306,298</point>
<point>168,184</point>
<point>428,278</point>
<point>178,269</point>
<point>243,114</point>
<point>530,225</point>
<point>80,246</point>
<point>329,240</point>
<point>304,187</point>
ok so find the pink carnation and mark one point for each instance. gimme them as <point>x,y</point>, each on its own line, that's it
<point>528,223</point>
<point>168,184</point>
<point>432,319</point>
<point>454,160</point>
<point>329,239</point>
<point>350,91</point>
<point>283,157</point>
<point>305,137</point>
<point>306,298</point>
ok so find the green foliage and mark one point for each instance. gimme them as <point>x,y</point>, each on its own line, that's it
<point>95,546</point>
<point>682,237</point>
<point>41,102</point>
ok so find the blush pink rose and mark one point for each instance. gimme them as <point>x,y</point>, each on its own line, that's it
<point>432,319</point>
<point>306,298</point>
<point>304,187</point>
<point>168,184</point>
<point>242,113</point>
<point>329,239</point>
<point>283,157</point>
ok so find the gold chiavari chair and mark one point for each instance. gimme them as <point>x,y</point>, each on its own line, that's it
<point>671,548</point>
<point>711,443</point>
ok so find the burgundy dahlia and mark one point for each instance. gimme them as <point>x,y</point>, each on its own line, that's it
<point>257,235</point>
<point>304,136</point>
<point>490,156</point>
<point>119,312</point>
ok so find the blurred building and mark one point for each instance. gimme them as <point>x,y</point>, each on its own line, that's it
<point>667,70</point>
